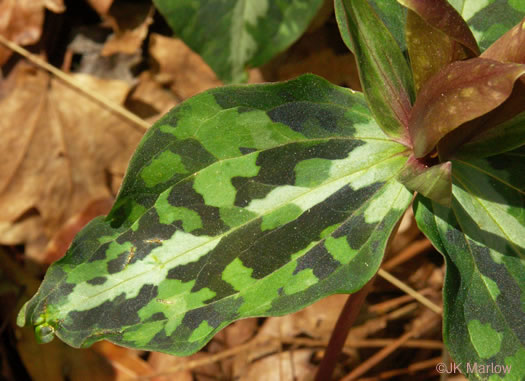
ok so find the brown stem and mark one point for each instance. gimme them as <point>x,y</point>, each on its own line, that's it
<point>345,321</point>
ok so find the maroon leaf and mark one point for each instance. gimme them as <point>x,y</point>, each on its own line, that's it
<point>510,47</point>
<point>443,17</point>
<point>436,36</point>
<point>460,92</point>
<point>454,143</point>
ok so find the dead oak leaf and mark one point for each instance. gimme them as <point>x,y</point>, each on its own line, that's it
<point>59,151</point>
<point>21,21</point>
<point>100,6</point>
<point>130,23</point>
<point>181,68</point>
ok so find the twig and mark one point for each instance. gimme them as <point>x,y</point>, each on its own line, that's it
<point>209,359</point>
<point>388,375</point>
<point>388,305</point>
<point>369,343</point>
<point>113,106</point>
<point>415,248</point>
<point>345,321</point>
<point>376,358</point>
<point>410,291</point>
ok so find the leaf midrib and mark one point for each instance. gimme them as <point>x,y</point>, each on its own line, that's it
<point>219,237</point>
<point>353,214</point>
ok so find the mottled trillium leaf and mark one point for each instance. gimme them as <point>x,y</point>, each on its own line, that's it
<point>458,93</point>
<point>394,17</point>
<point>482,237</point>
<point>499,139</point>
<point>384,73</point>
<point>236,34</point>
<point>284,193</point>
<point>436,36</point>
<point>510,47</point>
<point>433,182</point>
<point>490,19</point>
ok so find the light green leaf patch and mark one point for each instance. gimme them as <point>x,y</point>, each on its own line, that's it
<point>485,339</point>
<point>162,168</point>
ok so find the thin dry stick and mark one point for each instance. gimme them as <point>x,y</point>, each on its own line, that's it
<point>410,369</point>
<point>415,248</point>
<point>410,291</point>
<point>108,103</point>
<point>273,343</point>
<point>376,358</point>
<point>369,343</point>
<point>389,305</point>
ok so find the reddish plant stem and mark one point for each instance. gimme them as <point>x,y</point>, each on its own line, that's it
<point>345,321</point>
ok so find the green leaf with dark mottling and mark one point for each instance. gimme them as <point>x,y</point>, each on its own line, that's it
<point>278,195</point>
<point>232,35</point>
<point>510,47</point>
<point>482,237</point>
<point>490,19</point>
<point>385,75</point>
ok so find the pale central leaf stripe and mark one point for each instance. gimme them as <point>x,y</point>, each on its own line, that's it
<point>150,271</point>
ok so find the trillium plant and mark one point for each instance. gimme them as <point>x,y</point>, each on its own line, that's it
<point>258,200</point>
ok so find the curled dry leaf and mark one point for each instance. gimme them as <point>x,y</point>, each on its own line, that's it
<point>62,239</point>
<point>316,321</point>
<point>286,366</point>
<point>101,6</point>
<point>149,99</point>
<point>126,362</point>
<point>130,23</point>
<point>60,148</point>
<point>162,362</point>
<point>184,70</point>
<point>21,21</point>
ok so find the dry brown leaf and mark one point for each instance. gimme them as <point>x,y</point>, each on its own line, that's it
<point>149,99</point>
<point>181,68</point>
<point>239,332</point>
<point>317,320</point>
<point>62,239</point>
<point>126,362</point>
<point>130,22</point>
<point>21,21</point>
<point>100,6</point>
<point>321,52</point>
<point>59,148</point>
<point>286,366</point>
<point>165,364</point>
<point>161,362</point>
